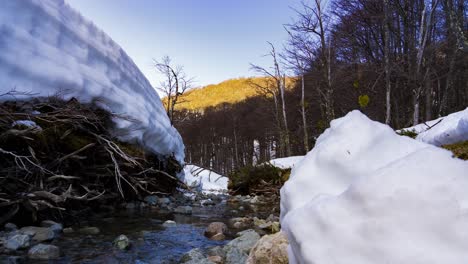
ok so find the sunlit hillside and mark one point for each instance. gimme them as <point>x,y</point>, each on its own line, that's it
<point>229,91</point>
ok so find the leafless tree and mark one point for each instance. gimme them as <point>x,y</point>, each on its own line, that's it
<point>175,84</point>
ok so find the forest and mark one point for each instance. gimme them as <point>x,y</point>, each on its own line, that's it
<point>399,62</point>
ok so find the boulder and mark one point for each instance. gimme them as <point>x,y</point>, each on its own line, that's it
<point>195,256</point>
<point>270,249</point>
<point>183,210</point>
<point>17,241</point>
<point>238,249</point>
<point>39,234</point>
<point>44,252</point>
<point>122,242</point>
<point>10,227</point>
<point>56,227</point>
<point>169,223</point>
<point>151,200</point>
<point>216,229</point>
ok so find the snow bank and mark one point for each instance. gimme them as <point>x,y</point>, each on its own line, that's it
<point>444,130</point>
<point>367,195</point>
<point>48,48</point>
<point>204,180</point>
<point>286,163</point>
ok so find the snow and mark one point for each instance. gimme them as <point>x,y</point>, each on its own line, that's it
<point>26,123</point>
<point>444,130</point>
<point>47,48</point>
<point>204,180</point>
<point>286,163</point>
<point>367,195</point>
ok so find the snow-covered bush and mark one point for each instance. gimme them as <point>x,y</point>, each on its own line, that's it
<point>367,195</point>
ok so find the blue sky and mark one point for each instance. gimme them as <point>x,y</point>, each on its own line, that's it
<point>214,40</point>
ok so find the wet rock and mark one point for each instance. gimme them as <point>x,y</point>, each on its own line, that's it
<point>216,251</point>
<point>56,227</point>
<point>183,210</point>
<point>216,231</point>
<point>240,222</point>
<point>89,230</point>
<point>39,234</point>
<point>169,223</point>
<point>208,202</point>
<point>195,256</point>
<point>216,259</point>
<point>151,200</point>
<point>163,201</point>
<point>10,227</point>
<point>15,260</point>
<point>130,206</point>
<point>270,249</point>
<point>44,252</point>
<point>68,230</point>
<point>122,242</point>
<point>17,241</point>
<point>238,249</point>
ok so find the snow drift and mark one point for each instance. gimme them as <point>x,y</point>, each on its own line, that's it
<point>47,48</point>
<point>367,195</point>
<point>204,180</point>
<point>444,130</point>
<point>286,163</point>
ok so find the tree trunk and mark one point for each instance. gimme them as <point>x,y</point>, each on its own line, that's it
<point>304,119</point>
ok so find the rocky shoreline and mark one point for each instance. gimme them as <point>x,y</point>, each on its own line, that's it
<point>245,235</point>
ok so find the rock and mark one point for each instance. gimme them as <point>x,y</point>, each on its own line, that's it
<point>218,237</point>
<point>17,241</point>
<point>216,251</point>
<point>216,229</point>
<point>15,260</point>
<point>183,210</point>
<point>68,230</point>
<point>56,227</point>
<point>194,256</point>
<point>151,200</point>
<point>43,251</point>
<point>238,249</point>
<point>39,234</point>
<point>216,259</point>
<point>10,227</point>
<point>122,242</point>
<point>255,200</point>
<point>169,223</point>
<point>164,201</point>
<point>208,202</point>
<point>130,206</point>
<point>240,222</point>
<point>90,230</point>
<point>270,249</point>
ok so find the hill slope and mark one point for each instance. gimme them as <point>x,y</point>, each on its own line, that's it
<point>229,91</point>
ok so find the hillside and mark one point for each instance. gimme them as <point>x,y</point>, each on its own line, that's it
<point>229,91</point>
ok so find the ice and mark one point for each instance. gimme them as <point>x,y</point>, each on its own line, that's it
<point>47,48</point>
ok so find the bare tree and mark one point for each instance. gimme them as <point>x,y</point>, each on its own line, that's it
<point>277,90</point>
<point>175,84</point>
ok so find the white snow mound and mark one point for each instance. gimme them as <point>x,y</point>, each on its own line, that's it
<point>287,162</point>
<point>367,195</point>
<point>47,48</point>
<point>444,130</point>
<point>204,180</point>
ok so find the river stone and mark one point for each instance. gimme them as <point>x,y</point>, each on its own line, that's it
<point>10,227</point>
<point>39,234</point>
<point>270,249</point>
<point>17,241</point>
<point>194,256</point>
<point>169,223</point>
<point>151,199</point>
<point>238,249</point>
<point>43,251</point>
<point>216,251</point>
<point>164,201</point>
<point>56,227</point>
<point>255,200</point>
<point>216,259</point>
<point>122,242</point>
<point>183,210</point>
<point>216,228</point>
<point>68,230</point>
<point>90,230</point>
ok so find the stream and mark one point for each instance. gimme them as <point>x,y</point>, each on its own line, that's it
<point>151,241</point>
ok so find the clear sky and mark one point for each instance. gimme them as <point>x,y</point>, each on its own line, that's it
<point>214,40</point>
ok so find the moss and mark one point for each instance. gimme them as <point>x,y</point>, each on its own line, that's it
<point>408,133</point>
<point>459,150</point>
